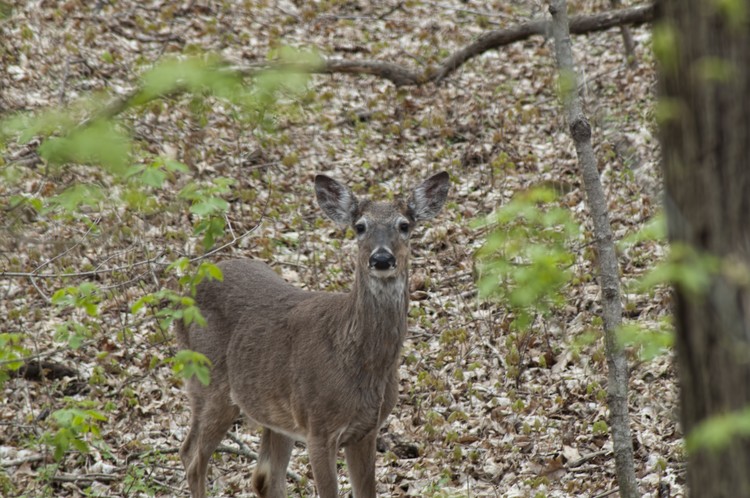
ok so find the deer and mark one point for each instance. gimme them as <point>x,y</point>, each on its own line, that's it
<point>313,366</point>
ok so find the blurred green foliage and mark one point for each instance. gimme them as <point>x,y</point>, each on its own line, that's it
<point>94,134</point>
<point>717,432</point>
<point>71,427</point>
<point>526,259</point>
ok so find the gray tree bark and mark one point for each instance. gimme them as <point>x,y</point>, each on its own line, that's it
<point>609,275</point>
<point>705,85</point>
<point>627,38</point>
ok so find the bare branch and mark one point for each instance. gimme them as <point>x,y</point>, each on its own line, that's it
<point>402,76</point>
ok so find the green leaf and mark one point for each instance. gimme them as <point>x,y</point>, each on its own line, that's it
<point>525,260</point>
<point>717,432</point>
<point>192,314</point>
<point>735,12</point>
<point>189,363</point>
<point>209,206</point>
<point>664,39</point>
<point>153,177</point>
<point>6,10</point>
<point>180,264</point>
<point>212,270</point>
<point>98,143</point>
<point>654,229</point>
<point>141,303</point>
<point>650,342</point>
<point>714,69</point>
<point>77,195</point>
<point>685,267</point>
<point>172,165</point>
<point>80,445</point>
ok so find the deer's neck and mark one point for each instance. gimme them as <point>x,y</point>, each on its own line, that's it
<point>378,318</point>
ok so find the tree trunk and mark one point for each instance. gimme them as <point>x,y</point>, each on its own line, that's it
<point>705,85</point>
<point>609,275</point>
<point>627,38</point>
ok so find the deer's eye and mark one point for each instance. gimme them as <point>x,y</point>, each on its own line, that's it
<point>404,227</point>
<point>360,228</point>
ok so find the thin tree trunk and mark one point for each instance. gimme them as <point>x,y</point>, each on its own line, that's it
<point>609,279</point>
<point>705,85</point>
<point>627,38</point>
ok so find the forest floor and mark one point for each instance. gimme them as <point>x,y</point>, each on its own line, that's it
<point>483,410</point>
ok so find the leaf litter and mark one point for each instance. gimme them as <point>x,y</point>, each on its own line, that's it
<point>463,426</point>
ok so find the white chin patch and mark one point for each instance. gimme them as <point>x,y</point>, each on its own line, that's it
<point>382,273</point>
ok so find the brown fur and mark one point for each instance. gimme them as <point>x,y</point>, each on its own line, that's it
<point>315,366</point>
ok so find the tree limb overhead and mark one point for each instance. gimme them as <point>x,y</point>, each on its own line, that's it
<point>402,76</point>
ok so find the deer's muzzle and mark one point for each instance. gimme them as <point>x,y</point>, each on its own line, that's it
<point>381,259</point>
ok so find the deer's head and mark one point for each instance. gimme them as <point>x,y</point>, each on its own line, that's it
<point>383,228</point>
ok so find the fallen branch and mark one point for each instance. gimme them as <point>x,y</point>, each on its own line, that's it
<point>585,458</point>
<point>38,370</point>
<point>21,461</point>
<point>401,76</point>
<point>86,478</point>
<point>607,493</point>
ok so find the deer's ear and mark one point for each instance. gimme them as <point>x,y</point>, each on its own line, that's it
<point>428,198</point>
<point>336,200</point>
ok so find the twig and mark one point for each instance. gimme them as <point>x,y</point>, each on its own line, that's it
<point>86,478</point>
<point>90,273</point>
<point>468,11</point>
<point>390,11</point>
<point>21,461</point>
<point>115,254</point>
<point>144,454</point>
<point>78,243</point>
<point>585,458</point>
<point>64,82</point>
<point>44,296</point>
<point>231,242</point>
<point>607,493</point>
<point>148,262</point>
<point>80,240</point>
<point>119,30</point>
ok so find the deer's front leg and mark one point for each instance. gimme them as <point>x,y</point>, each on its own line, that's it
<point>322,450</point>
<point>360,458</point>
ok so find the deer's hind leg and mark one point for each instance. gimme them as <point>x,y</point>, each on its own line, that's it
<point>212,415</point>
<point>269,478</point>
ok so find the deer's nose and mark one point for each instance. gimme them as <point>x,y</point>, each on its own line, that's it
<point>382,260</point>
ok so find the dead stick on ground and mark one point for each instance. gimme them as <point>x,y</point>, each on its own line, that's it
<point>21,461</point>
<point>580,129</point>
